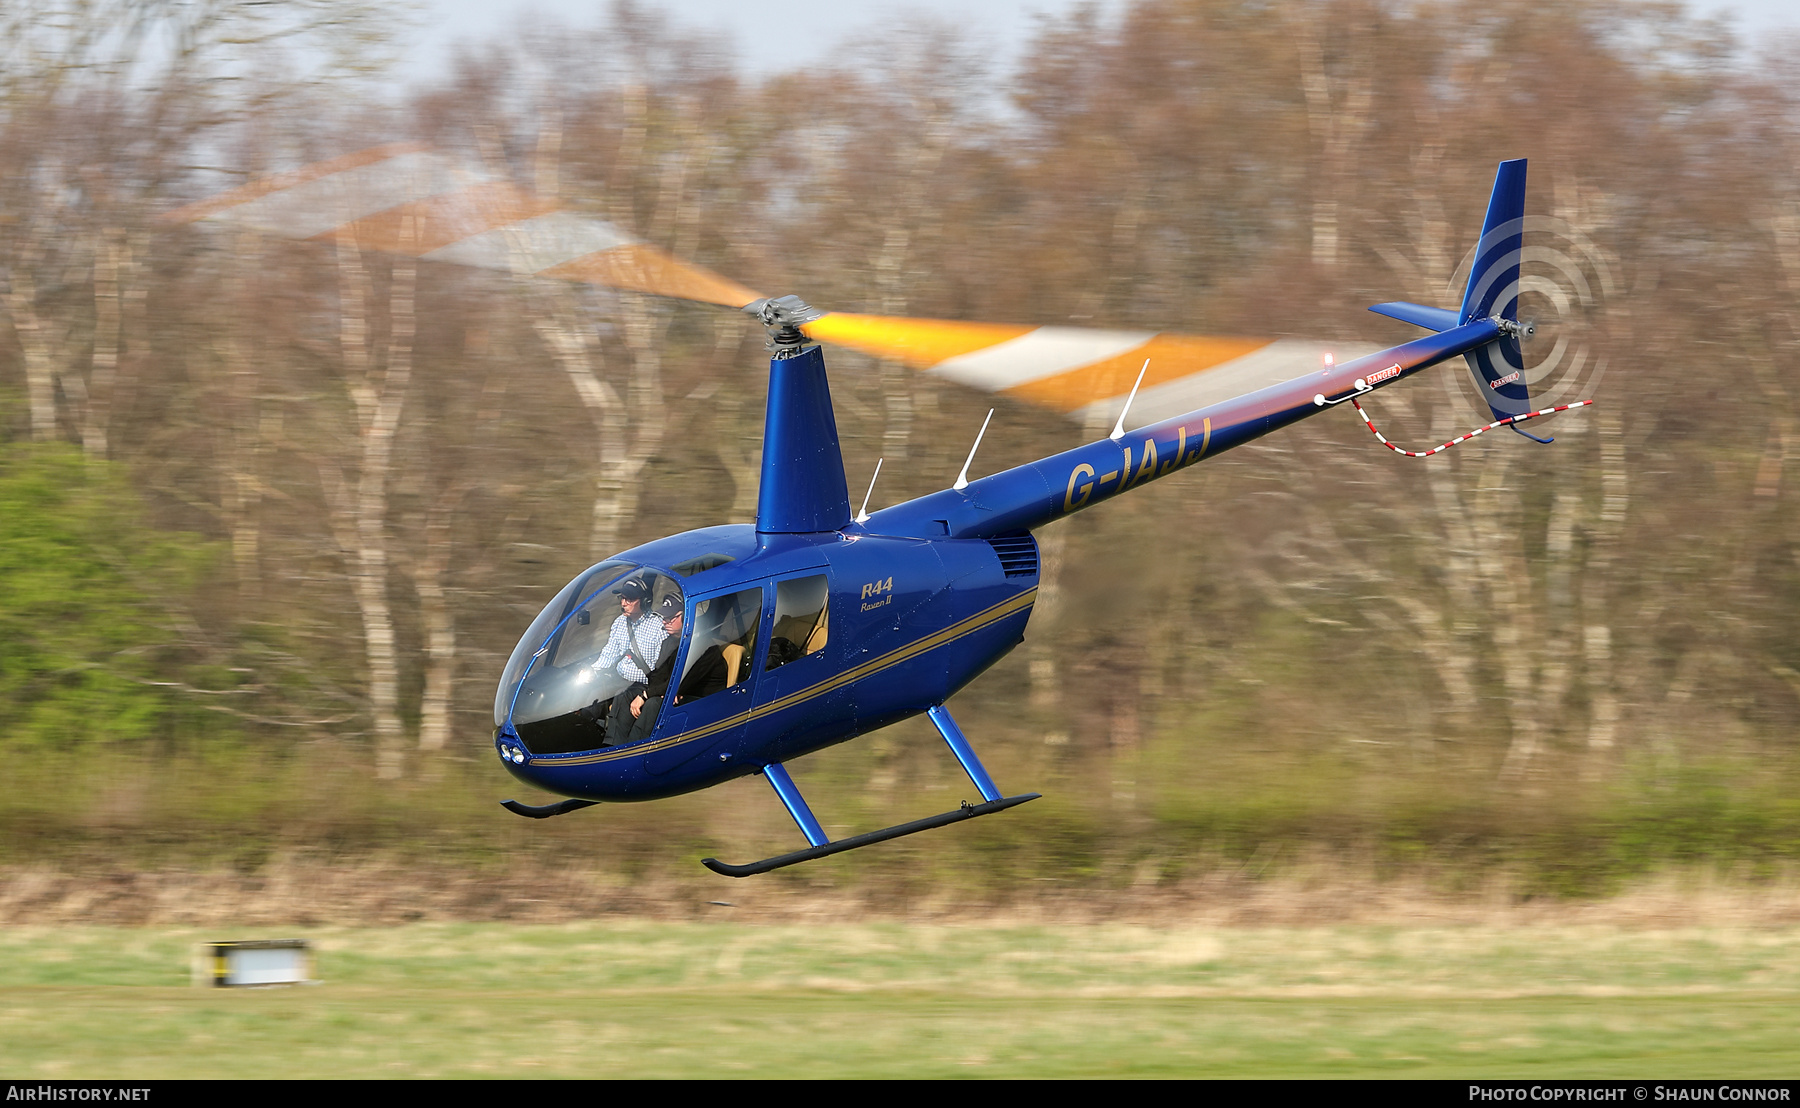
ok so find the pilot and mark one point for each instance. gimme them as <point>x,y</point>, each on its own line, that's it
<point>646,704</point>
<point>632,647</point>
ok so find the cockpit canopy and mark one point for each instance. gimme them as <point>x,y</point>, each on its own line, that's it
<point>615,628</point>
<point>602,633</point>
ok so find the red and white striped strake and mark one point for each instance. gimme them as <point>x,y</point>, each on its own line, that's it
<point>1461,438</point>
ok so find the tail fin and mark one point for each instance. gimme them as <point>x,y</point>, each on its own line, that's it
<point>1499,367</point>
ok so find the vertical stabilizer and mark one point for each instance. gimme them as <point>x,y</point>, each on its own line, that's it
<point>1494,278</point>
<point>1493,293</point>
<point>803,487</point>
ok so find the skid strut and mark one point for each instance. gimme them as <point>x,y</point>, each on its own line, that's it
<point>821,846</point>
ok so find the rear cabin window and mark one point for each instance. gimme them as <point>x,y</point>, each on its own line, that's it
<point>801,620</point>
<point>723,645</point>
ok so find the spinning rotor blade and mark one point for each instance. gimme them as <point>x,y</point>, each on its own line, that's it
<point>407,199</point>
<point>1082,372</point>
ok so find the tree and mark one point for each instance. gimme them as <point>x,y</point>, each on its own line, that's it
<point>91,609</point>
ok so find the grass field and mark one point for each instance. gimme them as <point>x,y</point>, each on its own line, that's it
<point>643,999</point>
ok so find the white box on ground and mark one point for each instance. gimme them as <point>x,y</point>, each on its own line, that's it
<point>256,962</point>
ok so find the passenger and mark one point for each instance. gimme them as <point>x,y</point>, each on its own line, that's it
<point>710,672</point>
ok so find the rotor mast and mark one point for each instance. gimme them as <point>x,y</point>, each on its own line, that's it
<point>803,489</point>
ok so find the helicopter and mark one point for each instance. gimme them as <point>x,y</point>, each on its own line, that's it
<point>729,651</point>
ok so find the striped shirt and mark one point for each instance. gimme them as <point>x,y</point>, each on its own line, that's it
<point>646,636</point>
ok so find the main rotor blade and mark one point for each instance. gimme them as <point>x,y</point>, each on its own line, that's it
<point>1080,371</point>
<point>406,199</point>
<point>409,199</point>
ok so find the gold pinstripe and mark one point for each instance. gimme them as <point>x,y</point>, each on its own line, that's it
<point>875,665</point>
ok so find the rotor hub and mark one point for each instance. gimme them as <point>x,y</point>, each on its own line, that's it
<point>783,316</point>
<point>1521,330</point>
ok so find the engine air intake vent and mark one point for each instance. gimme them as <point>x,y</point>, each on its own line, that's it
<point>1018,554</point>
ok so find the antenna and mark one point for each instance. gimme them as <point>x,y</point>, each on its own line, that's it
<point>962,479</point>
<point>863,515</point>
<point>1118,431</point>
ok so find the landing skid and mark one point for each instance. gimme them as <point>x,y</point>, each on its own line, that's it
<point>967,811</point>
<point>820,846</point>
<point>547,810</point>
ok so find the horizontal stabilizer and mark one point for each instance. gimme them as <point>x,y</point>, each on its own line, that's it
<point>1419,315</point>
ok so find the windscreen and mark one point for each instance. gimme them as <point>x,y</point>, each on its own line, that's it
<point>612,639</point>
<point>547,621</point>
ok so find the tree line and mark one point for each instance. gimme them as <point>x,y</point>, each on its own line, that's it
<point>306,493</point>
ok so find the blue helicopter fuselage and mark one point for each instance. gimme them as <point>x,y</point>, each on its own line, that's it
<point>922,596</point>
<point>911,621</point>
<point>811,628</point>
